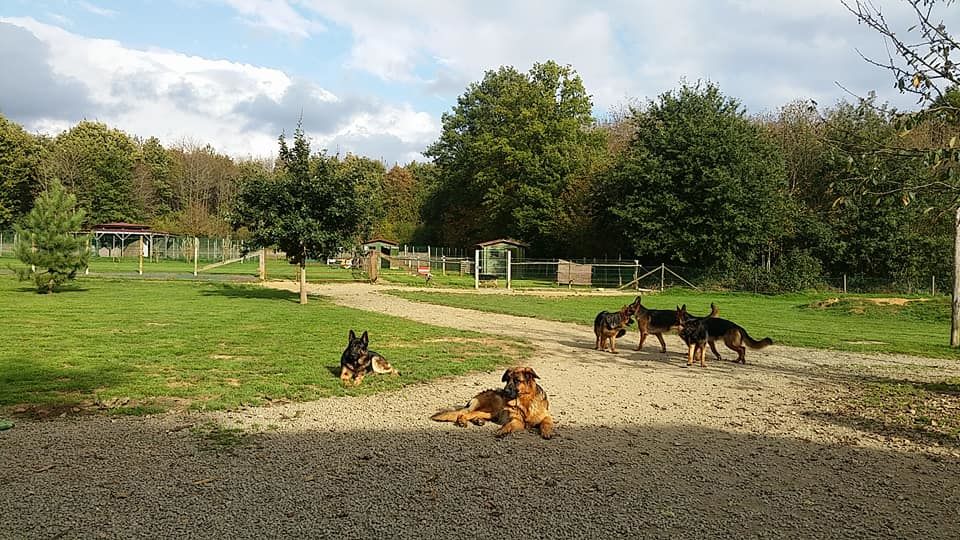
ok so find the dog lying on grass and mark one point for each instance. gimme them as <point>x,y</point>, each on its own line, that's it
<point>357,360</point>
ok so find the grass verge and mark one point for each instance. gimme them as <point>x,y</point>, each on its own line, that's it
<point>136,347</point>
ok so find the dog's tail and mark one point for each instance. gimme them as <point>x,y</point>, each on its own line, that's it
<point>447,415</point>
<point>380,365</point>
<point>622,332</point>
<point>754,344</point>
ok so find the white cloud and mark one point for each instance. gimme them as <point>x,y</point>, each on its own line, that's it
<point>622,48</point>
<point>231,105</point>
<point>276,15</point>
<point>96,10</point>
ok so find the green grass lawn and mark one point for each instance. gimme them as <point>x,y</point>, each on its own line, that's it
<point>142,346</point>
<point>802,320</point>
<point>276,268</point>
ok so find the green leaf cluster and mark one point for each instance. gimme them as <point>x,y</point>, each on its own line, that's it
<point>304,207</point>
<point>697,182</point>
<point>48,242</point>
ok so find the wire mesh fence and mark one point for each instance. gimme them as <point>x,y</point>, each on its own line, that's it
<point>220,258</point>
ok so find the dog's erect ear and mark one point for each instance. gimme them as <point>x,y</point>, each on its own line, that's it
<point>506,376</point>
<point>532,373</point>
<point>714,310</point>
<point>352,335</point>
<point>365,338</point>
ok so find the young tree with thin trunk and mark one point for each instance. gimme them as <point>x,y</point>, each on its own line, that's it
<point>304,208</point>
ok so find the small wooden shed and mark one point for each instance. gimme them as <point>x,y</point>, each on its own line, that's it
<point>493,255</point>
<point>382,245</point>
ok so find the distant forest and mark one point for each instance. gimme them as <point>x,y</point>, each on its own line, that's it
<point>687,178</point>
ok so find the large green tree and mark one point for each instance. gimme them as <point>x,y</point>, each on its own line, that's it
<point>507,153</point>
<point>366,175</point>
<point>923,62</point>
<point>20,155</point>
<point>48,242</point>
<point>96,163</point>
<point>698,183</point>
<point>305,208</point>
<point>152,179</point>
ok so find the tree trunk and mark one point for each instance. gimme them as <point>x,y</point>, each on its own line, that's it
<point>955,315</point>
<point>303,282</point>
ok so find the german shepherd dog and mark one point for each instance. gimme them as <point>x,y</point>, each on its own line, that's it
<point>658,321</point>
<point>698,331</point>
<point>357,360</point>
<point>693,332</point>
<point>521,404</point>
<point>609,326</point>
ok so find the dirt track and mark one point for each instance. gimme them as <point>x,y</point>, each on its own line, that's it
<point>645,448</point>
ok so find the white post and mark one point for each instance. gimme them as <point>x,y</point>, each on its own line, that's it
<point>844,284</point>
<point>508,268</point>
<point>196,255</point>
<point>933,286</point>
<point>476,269</point>
<point>955,300</point>
<point>262,270</point>
<point>443,264</point>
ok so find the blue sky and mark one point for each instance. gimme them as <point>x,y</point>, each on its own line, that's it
<point>373,77</point>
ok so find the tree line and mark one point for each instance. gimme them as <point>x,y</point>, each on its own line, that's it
<point>768,201</point>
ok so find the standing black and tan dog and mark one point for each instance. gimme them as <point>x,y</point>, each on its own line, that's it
<point>357,360</point>
<point>521,404</point>
<point>701,331</point>
<point>693,332</point>
<point>609,326</point>
<point>658,321</point>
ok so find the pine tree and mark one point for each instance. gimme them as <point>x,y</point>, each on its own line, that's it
<point>48,243</point>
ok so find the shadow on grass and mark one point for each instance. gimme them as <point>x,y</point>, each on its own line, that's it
<point>60,290</point>
<point>430,480</point>
<point>45,392</point>
<point>250,292</point>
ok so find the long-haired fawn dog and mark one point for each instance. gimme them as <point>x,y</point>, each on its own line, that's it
<point>521,404</point>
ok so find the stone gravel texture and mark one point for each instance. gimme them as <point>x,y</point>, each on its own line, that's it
<point>645,448</point>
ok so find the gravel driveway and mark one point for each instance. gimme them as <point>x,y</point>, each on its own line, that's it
<point>645,448</point>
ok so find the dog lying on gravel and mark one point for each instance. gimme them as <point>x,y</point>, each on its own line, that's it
<point>521,404</point>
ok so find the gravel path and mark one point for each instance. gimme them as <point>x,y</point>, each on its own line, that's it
<point>645,448</point>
